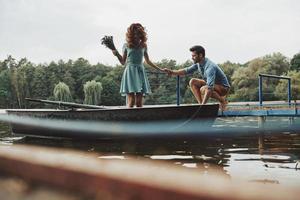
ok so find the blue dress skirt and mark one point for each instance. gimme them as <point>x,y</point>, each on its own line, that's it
<point>134,79</point>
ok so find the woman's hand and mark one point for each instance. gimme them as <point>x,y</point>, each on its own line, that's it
<point>108,42</point>
<point>115,52</point>
<point>168,71</point>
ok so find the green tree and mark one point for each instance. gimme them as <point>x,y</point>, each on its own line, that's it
<point>68,79</point>
<point>229,68</point>
<point>41,89</point>
<point>5,89</point>
<point>295,62</point>
<point>9,62</point>
<point>25,71</point>
<point>3,66</point>
<point>92,92</point>
<point>62,92</point>
<point>19,82</point>
<point>278,64</point>
<point>79,69</point>
<point>281,88</point>
<point>111,87</point>
<point>20,79</point>
<point>163,87</point>
<point>245,79</point>
<point>111,92</point>
<point>11,65</point>
<point>54,74</point>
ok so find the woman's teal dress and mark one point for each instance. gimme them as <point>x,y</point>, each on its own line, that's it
<point>134,79</point>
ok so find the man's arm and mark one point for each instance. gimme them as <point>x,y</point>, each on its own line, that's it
<point>180,72</point>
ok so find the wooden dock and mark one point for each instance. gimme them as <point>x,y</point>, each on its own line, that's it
<point>271,108</point>
<point>92,178</point>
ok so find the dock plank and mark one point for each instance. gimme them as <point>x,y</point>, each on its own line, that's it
<point>127,179</point>
<point>243,109</point>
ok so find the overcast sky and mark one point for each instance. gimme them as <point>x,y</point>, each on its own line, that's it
<point>234,30</point>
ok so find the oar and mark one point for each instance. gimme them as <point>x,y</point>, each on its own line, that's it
<point>68,104</point>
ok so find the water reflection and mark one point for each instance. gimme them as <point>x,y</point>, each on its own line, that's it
<point>279,169</point>
<point>272,159</point>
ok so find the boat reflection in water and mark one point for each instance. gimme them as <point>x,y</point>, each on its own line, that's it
<point>236,147</point>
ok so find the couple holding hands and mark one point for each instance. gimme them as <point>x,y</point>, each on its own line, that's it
<point>135,83</point>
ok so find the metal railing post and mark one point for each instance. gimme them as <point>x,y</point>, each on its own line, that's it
<point>178,90</point>
<point>276,77</point>
<point>289,91</point>
<point>260,90</point>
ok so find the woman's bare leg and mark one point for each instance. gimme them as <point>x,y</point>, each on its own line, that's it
<point>139,100</point>
<point>131,100</point>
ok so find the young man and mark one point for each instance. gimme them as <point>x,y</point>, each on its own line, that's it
<point>214,83</point>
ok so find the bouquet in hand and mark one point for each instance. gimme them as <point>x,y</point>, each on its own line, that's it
<point>108,42</point>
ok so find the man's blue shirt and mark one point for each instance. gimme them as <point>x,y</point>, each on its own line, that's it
<point>210,72</point>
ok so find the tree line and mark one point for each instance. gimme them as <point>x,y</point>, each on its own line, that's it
<point>81,82</point>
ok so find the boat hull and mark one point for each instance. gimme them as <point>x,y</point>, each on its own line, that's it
<point>126,114</point>
<point>185,113</point>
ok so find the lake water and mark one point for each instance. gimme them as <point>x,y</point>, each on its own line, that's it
<point>238,157</point>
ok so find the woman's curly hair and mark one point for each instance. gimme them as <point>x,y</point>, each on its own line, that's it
<point>136,36</point>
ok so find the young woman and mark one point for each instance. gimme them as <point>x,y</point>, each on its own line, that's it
<point>134,82</point>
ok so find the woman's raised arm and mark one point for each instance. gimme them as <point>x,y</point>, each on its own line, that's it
<point>122,59</point>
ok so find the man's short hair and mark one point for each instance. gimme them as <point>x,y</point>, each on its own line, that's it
<point>199,49</point>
